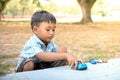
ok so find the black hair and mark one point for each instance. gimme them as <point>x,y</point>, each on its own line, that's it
<point>42,16</point>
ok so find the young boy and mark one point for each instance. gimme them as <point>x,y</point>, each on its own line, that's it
<point>40,52</point>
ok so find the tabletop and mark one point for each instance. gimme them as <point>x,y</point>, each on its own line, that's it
<point>99,71</point>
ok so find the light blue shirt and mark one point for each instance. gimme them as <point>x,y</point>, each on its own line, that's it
<point>33,46</point>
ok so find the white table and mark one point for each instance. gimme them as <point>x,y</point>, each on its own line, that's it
<point>100,71</point>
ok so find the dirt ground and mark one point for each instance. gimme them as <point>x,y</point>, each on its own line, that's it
<point>94,40</point>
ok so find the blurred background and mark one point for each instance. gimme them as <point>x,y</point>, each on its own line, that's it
<point>90,29</point>
<point>101,10</point>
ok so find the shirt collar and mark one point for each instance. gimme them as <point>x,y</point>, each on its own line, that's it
<point>38,40</point>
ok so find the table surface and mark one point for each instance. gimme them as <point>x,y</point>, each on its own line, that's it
<point>99,71</point>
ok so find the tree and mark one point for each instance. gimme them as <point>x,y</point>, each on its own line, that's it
<point>12,8</point>
<point>2,6</point>
<point>16,7</point>
<point>48,5</point>
<point>24,4</point>
<point>86,6</point>
<point>37,2</point>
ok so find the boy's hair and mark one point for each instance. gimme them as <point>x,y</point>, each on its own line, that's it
<point>42,16</point>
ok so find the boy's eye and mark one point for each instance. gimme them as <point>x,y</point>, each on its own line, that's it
<point>47,29</point>
<point>53,30</point>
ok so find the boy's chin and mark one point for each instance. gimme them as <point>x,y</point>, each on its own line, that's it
<point>47,41</point>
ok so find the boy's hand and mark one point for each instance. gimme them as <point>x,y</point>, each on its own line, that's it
<point>72,61</point>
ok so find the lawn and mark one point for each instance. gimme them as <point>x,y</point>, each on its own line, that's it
<point>94,40</point>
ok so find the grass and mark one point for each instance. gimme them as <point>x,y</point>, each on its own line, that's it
<point>8,56</point>
<point>4,68</point>
<point>96,41</point>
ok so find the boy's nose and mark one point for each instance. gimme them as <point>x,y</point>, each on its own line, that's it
<point>51,32</point>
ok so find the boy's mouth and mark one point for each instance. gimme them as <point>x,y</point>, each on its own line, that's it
<point>50,37</point>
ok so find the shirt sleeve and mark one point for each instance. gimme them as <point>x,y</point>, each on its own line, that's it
<point>30,51</point>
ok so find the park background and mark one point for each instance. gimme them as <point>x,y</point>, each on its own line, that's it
<point>98,39</point>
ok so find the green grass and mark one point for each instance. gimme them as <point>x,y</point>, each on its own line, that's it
<point>95,52</point>
<point>115,48</point>
<point>4,68</point>
<point>8,56</point>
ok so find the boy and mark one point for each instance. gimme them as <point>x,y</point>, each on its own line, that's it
<point>40,52</point>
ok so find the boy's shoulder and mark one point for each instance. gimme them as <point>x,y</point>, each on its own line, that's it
<point>31,40</point>
<point>35,40</point>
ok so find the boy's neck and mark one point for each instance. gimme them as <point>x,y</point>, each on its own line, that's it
<point>45,43</point>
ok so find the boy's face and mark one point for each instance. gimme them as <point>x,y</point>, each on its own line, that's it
<point>45,31</point>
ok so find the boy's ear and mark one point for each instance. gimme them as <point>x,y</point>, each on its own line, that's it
<point>35,29</point>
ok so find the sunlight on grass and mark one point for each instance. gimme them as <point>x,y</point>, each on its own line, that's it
<point>93,52</point>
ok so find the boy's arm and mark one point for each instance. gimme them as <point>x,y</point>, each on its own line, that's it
<point>50,56</point>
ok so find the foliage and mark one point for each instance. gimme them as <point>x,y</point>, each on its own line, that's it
<point>3,4</point>
<point>13,8</point>
<point>37,2</point>
<point>49,6</point>
<point>99,8</point>
<point>90,1</point>
<point>20,8</point>
<point>24,6</point>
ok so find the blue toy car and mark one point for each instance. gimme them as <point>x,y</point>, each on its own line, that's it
<point>81,66</point>
<point>93,61</point>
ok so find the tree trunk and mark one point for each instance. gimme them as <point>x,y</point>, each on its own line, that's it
<point>2,6</point>
<point>86,6</point>
<point>23,10</point>
<point>0,15</point>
